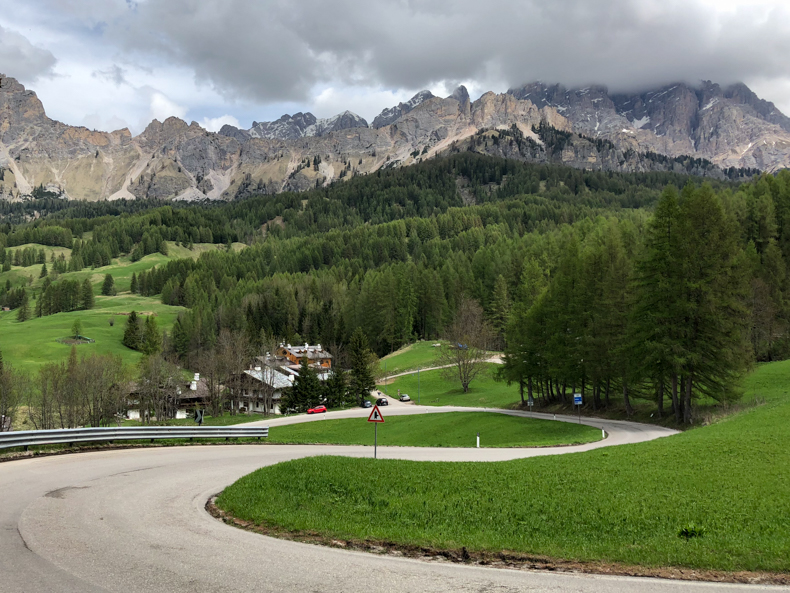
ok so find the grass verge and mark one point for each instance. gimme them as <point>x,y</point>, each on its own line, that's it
<point>728,483</point>
<point>435,390</point>
<point>454,429</point>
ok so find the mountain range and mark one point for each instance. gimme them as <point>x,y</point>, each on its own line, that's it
<point>704,129</point>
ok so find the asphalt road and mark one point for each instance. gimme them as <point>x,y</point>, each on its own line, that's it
<point>134,521</point>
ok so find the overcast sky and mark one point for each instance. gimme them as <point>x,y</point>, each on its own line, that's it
<point>108,64</point>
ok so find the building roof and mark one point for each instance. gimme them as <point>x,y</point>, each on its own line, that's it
<point>270,377</point>
<point>311,352</point>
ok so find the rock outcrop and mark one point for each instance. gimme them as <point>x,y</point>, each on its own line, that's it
<point>588,128</point>
<point>392,114</point>
<point>729,126</point>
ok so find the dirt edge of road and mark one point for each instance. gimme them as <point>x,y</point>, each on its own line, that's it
<point>503,559</point>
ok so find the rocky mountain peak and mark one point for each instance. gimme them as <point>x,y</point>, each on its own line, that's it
<point>460,94</point>
<point>392,114</point>
<point>727,125</point>
<point>300,125</point>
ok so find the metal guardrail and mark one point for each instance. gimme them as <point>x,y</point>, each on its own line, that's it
<point>30,438</point>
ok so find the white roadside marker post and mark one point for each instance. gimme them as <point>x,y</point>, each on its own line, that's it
<point>478,440</point>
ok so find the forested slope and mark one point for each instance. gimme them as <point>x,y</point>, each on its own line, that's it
<point>571,268</point>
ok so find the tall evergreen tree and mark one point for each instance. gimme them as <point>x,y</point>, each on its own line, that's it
<point>108,287</point>
<point>87,300</point>
<point>133,335</point>
<point>361,380</point>
<point>44,272</point>
<point>133,287</point>
<point>335,388</point>
<point>500,307</point>
<point>151,338</point>
<point>306,390</point>
<point>23,313</point>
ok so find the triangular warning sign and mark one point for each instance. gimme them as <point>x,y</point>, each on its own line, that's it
<point>375,415</point>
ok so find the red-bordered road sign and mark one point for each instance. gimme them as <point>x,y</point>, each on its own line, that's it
<point>375,415</point>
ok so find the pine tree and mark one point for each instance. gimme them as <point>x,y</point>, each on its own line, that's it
<point>76,328</point>
<point>132,335</point>
<point>306,390</point>
<point>361,380</point>
<point>335,388</point>
<point>23,313</point>
<point>108,288</point>
<point>151,339</point>
<point>133,287</point>
<point>500,306</point>
<point>44,272</point>
<point>86,298</point>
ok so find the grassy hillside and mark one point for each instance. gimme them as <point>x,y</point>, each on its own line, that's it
<point>30,344</point>
<point>436,390</point>
<point>121,269</point>
<point>711,498</point>
<point>455,429</point>
<point>414,356</point>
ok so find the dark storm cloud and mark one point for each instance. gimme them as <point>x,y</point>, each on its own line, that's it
<point>22,58</point>
<point>275,50</point>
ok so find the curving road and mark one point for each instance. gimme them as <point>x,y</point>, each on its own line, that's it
<point>134,521</point>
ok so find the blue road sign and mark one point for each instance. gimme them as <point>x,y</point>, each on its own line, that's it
<point>577,399</point>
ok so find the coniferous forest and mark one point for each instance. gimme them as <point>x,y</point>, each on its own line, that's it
<point>652,286</point>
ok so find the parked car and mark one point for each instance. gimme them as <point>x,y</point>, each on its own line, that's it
<point>382,401</point>
<point>404,397</point>
<point>317,410</point>
<point>367,404</point>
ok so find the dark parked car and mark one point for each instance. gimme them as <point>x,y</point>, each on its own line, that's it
<point>367,404</point>
<point>382,401</point>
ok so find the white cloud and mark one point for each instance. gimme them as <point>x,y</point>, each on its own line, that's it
<point>21,59</point>
<point>161,107</point>
<point>95,121</point>
<point>367,102</point>
<point>214,124</point>
<point>259,59</point>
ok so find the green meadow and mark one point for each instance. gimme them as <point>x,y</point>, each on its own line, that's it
<point>28,345</point>
<point>715,497</point>
<point>454,429</point>
<point>435,390</point>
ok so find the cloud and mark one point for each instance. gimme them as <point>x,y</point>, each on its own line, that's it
<point>214,124</point>
<point>161,107</point>
<point>23,60</point>
<point>95,121</point>
<point>251,57</point>
<point>276,50</point>
<point>114,74</point>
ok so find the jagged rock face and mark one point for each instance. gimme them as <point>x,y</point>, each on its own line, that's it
<point>392,114</point>
<point>176,160</point>
<point>300,125</point>
<point>460,94</point>
<point>731,127</point>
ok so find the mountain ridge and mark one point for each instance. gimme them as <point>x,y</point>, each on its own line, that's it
<point>683,128</point>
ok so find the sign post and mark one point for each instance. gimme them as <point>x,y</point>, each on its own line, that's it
<point>376,418</point>
<point>577,401</point>
<point>530,403</point>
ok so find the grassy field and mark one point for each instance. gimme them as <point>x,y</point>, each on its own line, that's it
<point>454,429</point>
<point>121,268</point>
<point>729,481</point>
<point>436,390</point>
<point>411,357</point>
<point>28,345</point>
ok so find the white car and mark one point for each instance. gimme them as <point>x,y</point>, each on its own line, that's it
<point>404,397</point>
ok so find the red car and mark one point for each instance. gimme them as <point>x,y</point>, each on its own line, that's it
<point>317,410</point>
